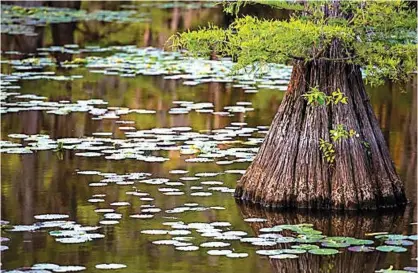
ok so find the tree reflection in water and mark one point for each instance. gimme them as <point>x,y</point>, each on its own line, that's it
<point>348,224</point>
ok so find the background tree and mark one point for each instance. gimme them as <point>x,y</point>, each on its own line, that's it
<point>324,148</point>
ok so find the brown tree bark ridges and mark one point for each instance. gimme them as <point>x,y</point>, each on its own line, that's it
<point>290,170</point>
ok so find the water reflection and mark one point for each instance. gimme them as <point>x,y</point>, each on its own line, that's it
<point>395,110</point>
<point>163,23</point>
<point>348,224</point>
<point>46,182</point>
<point>61,33</point>
<point>395,107</point>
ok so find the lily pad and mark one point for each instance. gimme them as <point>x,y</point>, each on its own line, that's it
<point>3,248</point>
<point>399,242</point>
<point>69,268</point>
<point>413,237</point>
<point>386,248</point>
<point>358,242</point>
<point>323,251</point>
<point>269,252</point>
<point>294,251</point>
<point>284,256</point>
<point>216,252</point>
<point>305,246</point>
<point>334,244</point>
<point>237,255</point>
<point>361,248</point>
<point>255,220</point>
<point>187,248</point>
<point>215,244</point>
<point>110,266</point>
<point>45,266</point>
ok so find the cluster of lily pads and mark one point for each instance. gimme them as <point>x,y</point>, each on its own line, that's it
<point>70,231</point>
<point>23,20</point>
<point>138,144</point>
<point>49,268</point>
<point>165,187</point>
<point>176,4</point>
<point>232,144</point>
<point>144,145</point>
<point>65,232</point>
<point>292,240</point>
<point>129,61</point>
<point>12,102</point>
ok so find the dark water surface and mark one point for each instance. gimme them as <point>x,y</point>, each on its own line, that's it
<point>47,182</point>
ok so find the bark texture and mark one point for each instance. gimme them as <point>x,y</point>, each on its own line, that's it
<point>290,170</point>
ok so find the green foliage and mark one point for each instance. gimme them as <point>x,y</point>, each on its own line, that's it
<point>254,41</point>
<point>233,7</point>
<point>204,41</point>
<point>338,97</point>
<point>379,36</point>
<point>340,132</point>
<point>317,97</point>
<point>327,150</point>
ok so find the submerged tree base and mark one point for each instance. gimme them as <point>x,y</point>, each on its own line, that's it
<point>355,172</point>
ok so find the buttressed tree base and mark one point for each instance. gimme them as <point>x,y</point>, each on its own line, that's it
<point>324,149</point>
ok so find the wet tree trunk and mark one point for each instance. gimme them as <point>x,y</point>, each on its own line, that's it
<point>290,170</point>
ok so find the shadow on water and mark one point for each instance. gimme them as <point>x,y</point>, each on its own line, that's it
<point>349,224</point>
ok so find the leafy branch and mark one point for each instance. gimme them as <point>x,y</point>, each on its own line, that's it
<point>317,97</point>
<point>341,133</point>
<point>328,148</point>
<point>379,36</point>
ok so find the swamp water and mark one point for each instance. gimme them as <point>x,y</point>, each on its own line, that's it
<point>125,158</point>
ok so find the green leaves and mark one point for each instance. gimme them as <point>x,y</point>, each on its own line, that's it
<point>317,97</point>
<point>203,42</point>
<point>251,40</point>
<point>338,97</point>
<point>328,150</point>
<point>379,36</point>
<point>340,132</point>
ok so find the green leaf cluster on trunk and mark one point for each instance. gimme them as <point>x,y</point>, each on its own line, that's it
<point>328,149</point>
<point>317,97</point>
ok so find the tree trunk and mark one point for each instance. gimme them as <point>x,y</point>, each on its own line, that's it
<point>290,170</point>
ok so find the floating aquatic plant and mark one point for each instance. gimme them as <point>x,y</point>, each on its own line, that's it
<point>110,266</point>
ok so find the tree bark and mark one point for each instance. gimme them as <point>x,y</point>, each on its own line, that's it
<point>290,170</point>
